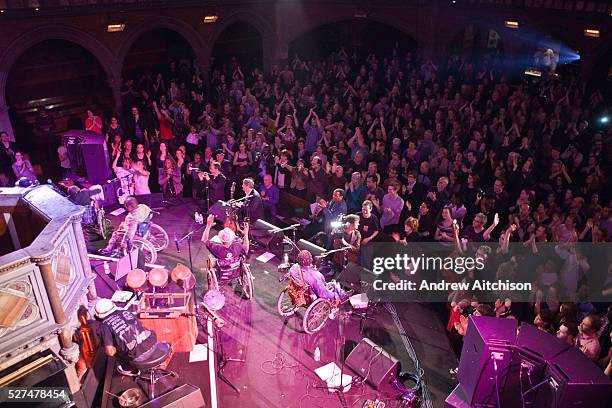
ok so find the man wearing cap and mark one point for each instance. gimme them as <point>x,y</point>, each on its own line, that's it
<point>137,213</point>
<point>122,334</point>
<point>229,252</point>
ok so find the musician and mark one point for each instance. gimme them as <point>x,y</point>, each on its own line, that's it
<point>351,237</point>
<point>253,209</point>
<point>81,196</point>
<point>305,269</point>
<point>124,174</point>
<point>123,336</point>
<point>231,250</point>
<point>137,213</point>
<point>215,182</point>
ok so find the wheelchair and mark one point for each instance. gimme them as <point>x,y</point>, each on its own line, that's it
<point>297,295</point>
<point>244,277</point>
<point>150,239</point>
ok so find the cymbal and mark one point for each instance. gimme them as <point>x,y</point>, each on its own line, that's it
<point>214,300</point>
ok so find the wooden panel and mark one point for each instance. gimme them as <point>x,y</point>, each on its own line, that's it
<point>11,309</point>
<point>180,332</point>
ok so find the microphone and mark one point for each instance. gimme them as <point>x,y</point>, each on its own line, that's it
<point>178,249</point>
<point>112,180</point>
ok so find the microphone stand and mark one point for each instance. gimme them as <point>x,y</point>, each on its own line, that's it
<point>187,237</point>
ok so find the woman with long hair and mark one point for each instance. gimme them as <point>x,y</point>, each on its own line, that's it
<point>170,179</point>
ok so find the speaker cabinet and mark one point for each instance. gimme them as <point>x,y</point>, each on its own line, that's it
<point>271,241</point>
<point>370,361</point>
<point>574,381</point>
<point>488,340</point>
<point>88,155</point>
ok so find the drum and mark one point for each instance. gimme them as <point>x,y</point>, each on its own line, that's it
<point>137,280</point>
<point>182,276</point>
<point>158,277</point>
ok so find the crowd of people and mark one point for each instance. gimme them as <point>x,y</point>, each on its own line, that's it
<point>460,152</point>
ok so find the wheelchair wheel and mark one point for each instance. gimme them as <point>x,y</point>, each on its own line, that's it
<point>246,280</point>
<point>149,252</point>
<point>285,305</point>
<point>316,315</point>
<point>158,237</point>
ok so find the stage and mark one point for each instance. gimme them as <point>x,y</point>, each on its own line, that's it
<point>279,366</point>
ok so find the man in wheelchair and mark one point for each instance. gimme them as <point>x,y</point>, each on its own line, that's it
<point>230,252</point>
<point>136,221</point>
<point>305,272</point>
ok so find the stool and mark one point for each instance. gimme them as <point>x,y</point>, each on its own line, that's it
<point>149,363</point>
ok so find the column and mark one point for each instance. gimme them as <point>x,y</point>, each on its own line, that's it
<point>115,86</point>
<point>69,350</point>
<point>5,121</point>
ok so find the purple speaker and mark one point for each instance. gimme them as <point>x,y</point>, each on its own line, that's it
<point>489,342</point>
<point>528,366</point>
<point>372,362</point>
<point>574,381</point>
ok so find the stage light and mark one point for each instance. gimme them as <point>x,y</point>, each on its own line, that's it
<point>360,14</point>
<point>210,18</point>
<point>533,72</point>
<point>591,32</point>
<point>604,120</point>
<point>115,28</point>
<point>335,224</point>
<point>511,24</point>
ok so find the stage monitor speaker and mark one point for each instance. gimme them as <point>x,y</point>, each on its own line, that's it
<point>487,338</point>
<point>456,399</point>
<point>371,362</point>
<point>110,192</point>
<point>574,381</point>
<point>153,200</point>
<point>315,250</point>
<point>184,396</point>
<point>271,241</point>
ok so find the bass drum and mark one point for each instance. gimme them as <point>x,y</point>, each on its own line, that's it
<point>137,280</point>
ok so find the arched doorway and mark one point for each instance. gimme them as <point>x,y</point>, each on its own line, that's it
<point>321,41</point>
<point>62,77</point>
<point>239,42</point>
<point>159,50</point>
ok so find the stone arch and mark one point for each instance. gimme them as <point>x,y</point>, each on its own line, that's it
<point>183,29</point>
<point>22,43</point>
<point>268,34</point>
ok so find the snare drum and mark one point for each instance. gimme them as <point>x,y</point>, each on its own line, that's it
<point>137,280</point>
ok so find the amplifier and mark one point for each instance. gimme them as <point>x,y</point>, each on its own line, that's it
<point>372,362</point>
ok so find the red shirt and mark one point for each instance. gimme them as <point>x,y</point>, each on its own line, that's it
<point>165,128</point>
